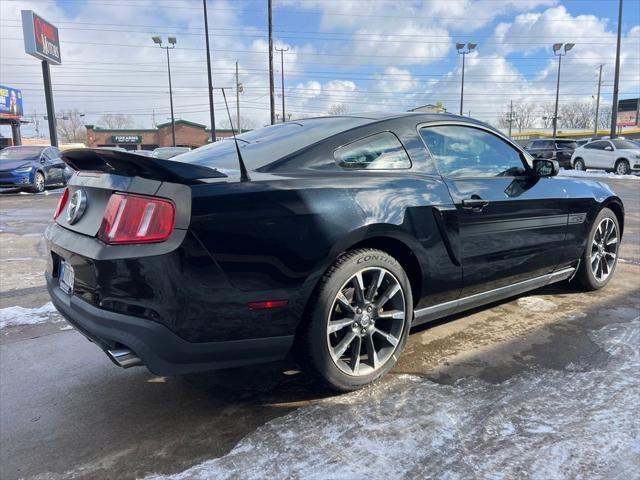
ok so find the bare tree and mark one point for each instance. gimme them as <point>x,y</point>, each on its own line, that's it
<point>71,127</point>
<point>523,116</point>
<point>247,123</point>
<point>337,109</point>
<point>116,121</point>
<point>576,115</point>
<point>546,111</point>
<point>604,116</point>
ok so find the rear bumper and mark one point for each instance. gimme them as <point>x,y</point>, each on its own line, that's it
<point>162,351</point>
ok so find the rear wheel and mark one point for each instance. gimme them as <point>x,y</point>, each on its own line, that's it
<point>359,320</point>
<point>622,167</point>
<point>578,164</point>
<point>38,183</point>
<point>601,254</point>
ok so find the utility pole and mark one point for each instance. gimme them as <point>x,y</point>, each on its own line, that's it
<point>595,128</point>
<point>212,114</point>
<point>238,91</point>
<point>272,97</point>
<point>282,50</point>
<point>460,47</point>
<point>616,81</point>
<point>510,116</point>
<point>558,52</point>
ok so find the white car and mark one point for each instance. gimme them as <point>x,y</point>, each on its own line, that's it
<point>618,155</point>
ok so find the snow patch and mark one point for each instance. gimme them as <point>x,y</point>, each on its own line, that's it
<point>545,424</point>
<point>596,174</point>
<point>536,304</point>
<point>14,316</point>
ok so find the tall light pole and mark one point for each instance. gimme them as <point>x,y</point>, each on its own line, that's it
<point>282,50</point>
<point>272,96</point>
<point>171,46</point>
<point>239,90</point>
<point>595,127</point>
<point>461,50</point>
<point>616,80</point>
<point>212,115</point>
<point>557,51</point>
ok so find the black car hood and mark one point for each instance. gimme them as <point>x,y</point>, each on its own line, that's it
<point>130,164</point>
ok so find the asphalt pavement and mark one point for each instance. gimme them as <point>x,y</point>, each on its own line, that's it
<point>522,365</point>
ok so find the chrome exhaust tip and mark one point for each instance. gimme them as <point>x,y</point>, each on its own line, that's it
<point>124,358</point>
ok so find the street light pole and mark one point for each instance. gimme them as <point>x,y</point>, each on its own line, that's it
<point>616,80</point>
<point>172,42</point>
<point>212,114</point>
<point>510,116</point>
<point>282,50</point>
<point>460,47</point>
<point>595,127</point>
<point>557,51</point>
<point>272,99</point>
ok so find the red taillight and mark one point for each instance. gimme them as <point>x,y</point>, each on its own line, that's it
<point>137,219</point>
<point>61,204</point>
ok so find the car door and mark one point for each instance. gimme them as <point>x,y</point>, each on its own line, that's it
<point>607,156</point>
<point>512,224</point>
<point>53,165</point>
<point>593,154</point>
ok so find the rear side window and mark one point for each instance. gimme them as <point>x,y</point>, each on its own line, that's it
<point>382,151</point>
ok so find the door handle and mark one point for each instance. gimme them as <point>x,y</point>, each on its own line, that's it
<point>474,204</point>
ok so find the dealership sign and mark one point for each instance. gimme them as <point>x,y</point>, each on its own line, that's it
<point>40,38</point>
<point>126,139</point>
<point>10,103</point>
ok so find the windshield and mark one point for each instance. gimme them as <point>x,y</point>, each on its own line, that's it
<point>571,144</point>
<point>265,145</point>
<point>20,153</point>
<point>621,144</point>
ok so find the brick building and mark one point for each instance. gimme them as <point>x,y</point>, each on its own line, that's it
<point>188,134</point>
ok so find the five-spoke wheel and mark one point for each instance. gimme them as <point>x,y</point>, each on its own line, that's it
<point>359,319</point>
<point>366,321</point>
<point>604,249</point>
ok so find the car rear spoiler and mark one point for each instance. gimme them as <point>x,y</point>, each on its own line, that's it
<point>130,164</point>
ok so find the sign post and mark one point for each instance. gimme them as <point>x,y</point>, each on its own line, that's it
<point>41,40</point>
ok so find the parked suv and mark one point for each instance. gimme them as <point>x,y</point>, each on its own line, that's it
<point>553,149</point>
<point>32,168</point>
<point>618,155</point>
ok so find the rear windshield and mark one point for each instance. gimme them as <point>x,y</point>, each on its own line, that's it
<point>266,145</point>
<point>20,153</point>
<point>567,144</point>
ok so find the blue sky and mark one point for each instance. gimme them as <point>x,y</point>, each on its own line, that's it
<point>363,54</point>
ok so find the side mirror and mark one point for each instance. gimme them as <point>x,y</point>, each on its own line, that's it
<point>609,148</point>
<point>42,160</point>
<point>545,168</point>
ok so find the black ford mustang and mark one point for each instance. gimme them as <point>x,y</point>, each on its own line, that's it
<point>328,237</point>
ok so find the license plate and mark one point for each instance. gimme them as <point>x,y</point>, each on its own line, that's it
<point>66,277</point>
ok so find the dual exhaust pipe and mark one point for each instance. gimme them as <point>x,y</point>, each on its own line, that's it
<point>124,358</point>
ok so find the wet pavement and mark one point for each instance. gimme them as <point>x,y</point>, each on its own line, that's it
<point>544,385</point>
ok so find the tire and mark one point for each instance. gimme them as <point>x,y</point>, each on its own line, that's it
<point>578,164</point>
<point>600,257</point>
<point>334,329</point>
<point>38,183</point>
<point>622,167</point>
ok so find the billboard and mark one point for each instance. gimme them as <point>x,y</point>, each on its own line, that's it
<point>628,112</point>
<point>10,103</point>
<point>41,39</point>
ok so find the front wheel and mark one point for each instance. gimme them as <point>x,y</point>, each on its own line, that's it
<point>600,257</point>
<point>622,167</point>
<point>38,183</point>
<point>359,320</point>
<point>579,164</point>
